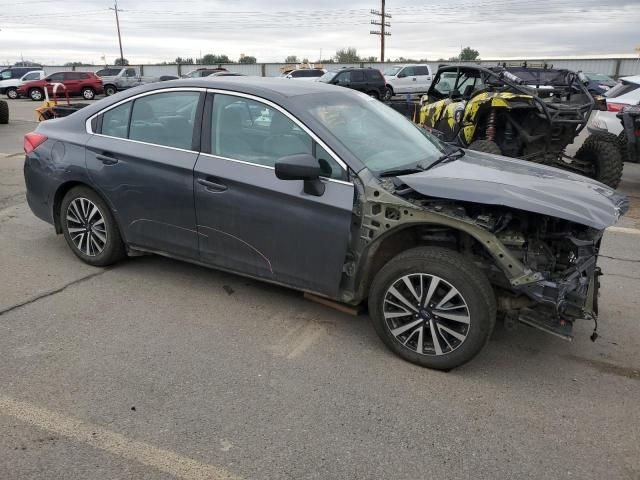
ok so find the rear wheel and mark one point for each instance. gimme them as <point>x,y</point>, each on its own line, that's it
<point>388,93</point>
<point>12,93</point>
<point>603,155</point>
<point>4,112</point>
<point>110,90</point>
<point>623,145</point>
<point>89,228</point>
<point>486,146</point>
<point>36,94</point>
<point>88,93</point>
<point>432,307</point>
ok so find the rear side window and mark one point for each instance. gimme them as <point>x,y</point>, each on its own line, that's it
<point>165,119</point>
<point>374,75</point>
<point>422,71</point>
<point>357,76</point>
<point>622,88</point>
<point>72,76</point>
<point>115,122</point>
<point>83,76</point>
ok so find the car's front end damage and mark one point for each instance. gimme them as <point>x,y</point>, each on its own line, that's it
<point>535,231</point>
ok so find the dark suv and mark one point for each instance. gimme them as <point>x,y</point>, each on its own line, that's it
<point>367,80</point>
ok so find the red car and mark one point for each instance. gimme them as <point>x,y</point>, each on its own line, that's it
<point>85,84</point>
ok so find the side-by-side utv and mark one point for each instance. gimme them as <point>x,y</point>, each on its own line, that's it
<point>525,112</point>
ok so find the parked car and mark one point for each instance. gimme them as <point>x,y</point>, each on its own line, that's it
<point>330,193</point>
<point>10,86</point>
<point>16,72</point>
<point>626,92</point>
<point>203,72</point>
<point>308,74</point>
<point>408,79</point>
<point>367,80</point>
<point>227,74</point>
<point>84,84</point>
<point>599,83</point>
<point>124,78</point>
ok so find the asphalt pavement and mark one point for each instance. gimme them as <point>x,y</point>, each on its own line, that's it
<point>155,369</point>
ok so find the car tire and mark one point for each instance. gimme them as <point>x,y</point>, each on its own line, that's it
<point>452,327</point>
<point>486,146</point>
<point>36,94</point>
<point>4,112</point>
<point>88,93</point>
<point>374,94</point>
<point>90,228</point>
<point>604,156</point>
<point>110,90</point>
<point>388,93</point>
<point>12,93</point>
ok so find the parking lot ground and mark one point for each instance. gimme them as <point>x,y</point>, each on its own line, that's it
<point>157,369</point>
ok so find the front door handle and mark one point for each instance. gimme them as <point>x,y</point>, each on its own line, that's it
<point>212,184</point>
<point>106,159</point>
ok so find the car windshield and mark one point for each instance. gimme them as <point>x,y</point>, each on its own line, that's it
<point>108,72</point>
<point>5,74</point>
<point>599,76</point>
<point>381,138</point>
<point>327,77</point>
<point>391,71</point>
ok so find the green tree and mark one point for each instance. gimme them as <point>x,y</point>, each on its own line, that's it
<point>184,61</point>
<point>468,54</point>
<point>347,55</point>
<point>121,62</point>
<point>291,59</point>
<point>247,59</point>
<point>74,64</point>
<point>211,59</point>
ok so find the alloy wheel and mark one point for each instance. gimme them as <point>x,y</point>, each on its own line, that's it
<point>12,94</point>
<point>86,226</point>
<point>426,314</point>
<point>36,95</point>
<point>88,94</point>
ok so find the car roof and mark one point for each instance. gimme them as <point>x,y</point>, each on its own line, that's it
<point>251,85</point>
<point>632,79</point>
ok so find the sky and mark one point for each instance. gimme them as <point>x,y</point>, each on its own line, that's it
<point>160,30</point>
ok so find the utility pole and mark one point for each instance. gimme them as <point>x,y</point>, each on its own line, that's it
<point>383,24</point>
<point>115,9</point>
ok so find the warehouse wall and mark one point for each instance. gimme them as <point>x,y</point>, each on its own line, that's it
<point>611,66</point>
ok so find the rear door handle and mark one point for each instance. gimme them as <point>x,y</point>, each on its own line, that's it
<point>106,159</point>
<point>212,184</point>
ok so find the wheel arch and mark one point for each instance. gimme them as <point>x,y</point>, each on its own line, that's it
<point>63,189</point>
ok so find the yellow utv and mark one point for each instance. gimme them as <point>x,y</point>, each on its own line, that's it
<point>525,112</point>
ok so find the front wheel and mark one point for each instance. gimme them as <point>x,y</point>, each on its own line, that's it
<point>89,228</point>
<point>12,93</point>
<point>432,307</point>
<point>88,93</point>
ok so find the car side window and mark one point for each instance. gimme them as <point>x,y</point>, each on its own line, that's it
<point>422,71</point>
<point>357,76</point>
<point>57,77</point>
<point>344,77</point>
<point>131,72</point>
<point>409,71</point>
<point>329,167</point>
<point>115,122</point>
<point>164,119</point>
<point>31,76</point>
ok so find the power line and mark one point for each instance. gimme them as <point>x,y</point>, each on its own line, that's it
<point>383,25</point>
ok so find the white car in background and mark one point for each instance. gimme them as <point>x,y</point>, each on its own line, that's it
<point>10,87</point>
<point>626,92</point>
<point>308,74</point>
<point>408,79</point>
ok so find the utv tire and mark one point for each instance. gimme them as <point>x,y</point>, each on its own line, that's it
<point>604,155</point>
<point>36,94</point>
<point>90,229</point>
<point>452,326</point>
<point>4,112</point>
<point>12,93</point>
<point>486,146</point>
<point>623,145</point>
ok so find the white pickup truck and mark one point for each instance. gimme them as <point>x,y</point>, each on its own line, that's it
<point>117,79</point>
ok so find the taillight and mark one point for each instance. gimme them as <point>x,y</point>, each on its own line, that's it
<point>615,107</point>
<point>32,141</point>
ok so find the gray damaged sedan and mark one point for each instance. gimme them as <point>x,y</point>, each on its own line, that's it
<point>326,190</point>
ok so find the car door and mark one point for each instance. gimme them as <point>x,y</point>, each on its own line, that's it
<point>405,80</point>
<point>423,76</point>
<point>55,78</point>
<point>130,78</point>
<point>358,81</point>
<point>142,160</point>
<point>251,222</point>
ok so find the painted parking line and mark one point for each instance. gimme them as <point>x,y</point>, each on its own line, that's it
<point>630,231</point>
<point>112,442</point>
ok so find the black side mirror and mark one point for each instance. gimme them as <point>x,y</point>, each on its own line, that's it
<point>302,166</point>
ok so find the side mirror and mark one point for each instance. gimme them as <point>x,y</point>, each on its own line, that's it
<point>302,166</point>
